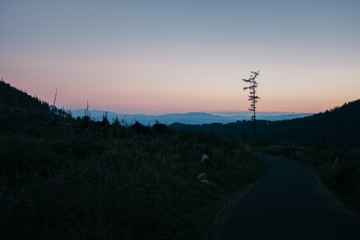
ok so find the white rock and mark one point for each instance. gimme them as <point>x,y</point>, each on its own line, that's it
<point>204,157</point>
<point>201,176</point>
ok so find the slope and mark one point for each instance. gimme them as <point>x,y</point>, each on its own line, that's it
<point>338,126</point>
<point>13,98</point>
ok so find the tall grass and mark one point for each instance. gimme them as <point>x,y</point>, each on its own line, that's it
<point>61,180</point>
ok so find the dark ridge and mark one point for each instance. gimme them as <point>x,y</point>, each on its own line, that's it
<point>13,98</point>
<point>339,126</point>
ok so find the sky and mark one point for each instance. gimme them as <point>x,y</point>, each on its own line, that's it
<point>167,56</point>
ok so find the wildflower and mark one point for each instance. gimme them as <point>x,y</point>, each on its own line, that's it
<point>29,202</point>
<point>49,173</point>
<point>59,177</point>
<point>11,200</point>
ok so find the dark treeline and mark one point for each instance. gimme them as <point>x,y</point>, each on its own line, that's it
<point>336,127</point>
<point>12,98</point>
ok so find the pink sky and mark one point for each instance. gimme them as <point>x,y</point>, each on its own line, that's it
<point>182,56</point>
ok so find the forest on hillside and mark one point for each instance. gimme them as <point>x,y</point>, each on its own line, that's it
<point>339,126</point>
<point>13,98</point>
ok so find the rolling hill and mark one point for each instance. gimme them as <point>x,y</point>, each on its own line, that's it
<point>338,126</point>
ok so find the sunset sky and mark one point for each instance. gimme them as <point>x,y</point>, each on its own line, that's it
<point>171,56</point>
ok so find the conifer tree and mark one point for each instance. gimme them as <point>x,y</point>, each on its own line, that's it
<point>253,98</point>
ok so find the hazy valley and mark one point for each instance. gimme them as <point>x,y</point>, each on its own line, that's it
<point>188,118</point>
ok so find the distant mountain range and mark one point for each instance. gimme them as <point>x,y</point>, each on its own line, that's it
<point>188,118</point>
<point>11,97</point>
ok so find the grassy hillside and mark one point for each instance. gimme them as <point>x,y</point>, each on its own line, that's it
<point>64,178</point>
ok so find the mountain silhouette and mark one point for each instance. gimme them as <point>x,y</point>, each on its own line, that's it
<point>338,126</point>
<point>187,118</point>
<point>13,98</point>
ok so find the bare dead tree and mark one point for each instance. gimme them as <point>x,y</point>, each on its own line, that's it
<point>87,113</point>
<point>253,98</point>
<point>53,107</point>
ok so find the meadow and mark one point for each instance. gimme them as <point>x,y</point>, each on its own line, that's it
<point>65,178</point>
